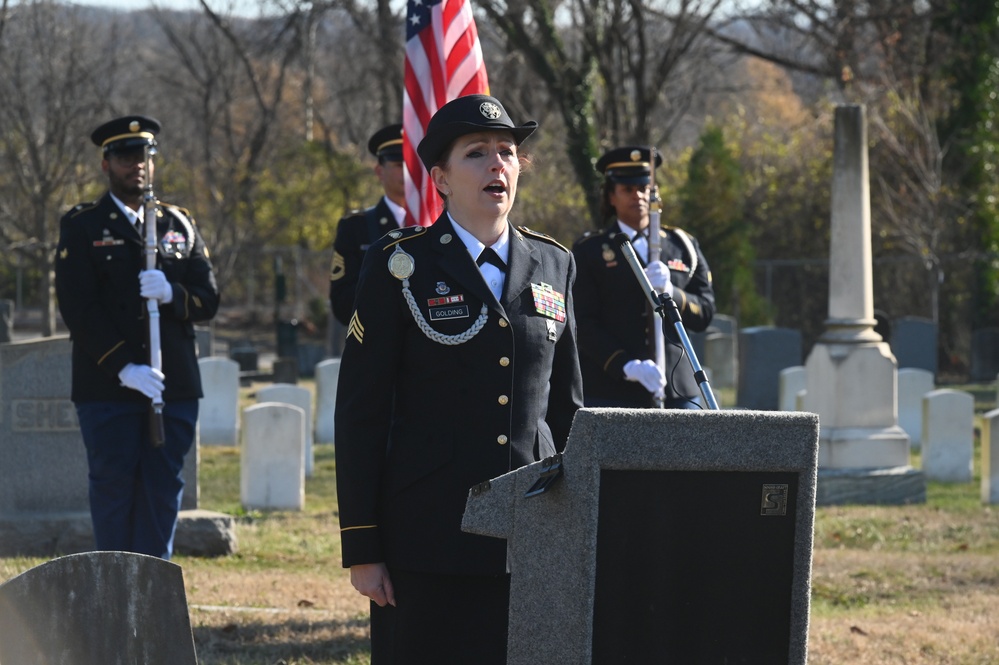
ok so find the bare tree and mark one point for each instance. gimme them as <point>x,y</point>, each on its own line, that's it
<point>618,70</point>
<point>229,81</point>
<point>56,70</point>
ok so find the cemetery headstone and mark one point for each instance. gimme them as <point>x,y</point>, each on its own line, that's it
<point>218,412</point>
<point>285,370</point>
<point>44,502</point>
<point>97,608</point>
<point>913,384</point>
<point>990,457</point>
<point>6,321</point>
<point>272,465</point>
<point>302,398</point>
<point>792,381</point>
<point>763,353</point>
<point>984,354</point>
<point>327,375</point>
<point>205,341</point>
<point>948,435</point>
<point>914,343</point>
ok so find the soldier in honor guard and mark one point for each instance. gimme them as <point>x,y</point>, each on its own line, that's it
<point>135,482</point>
<point>358,230</point>
<point>616,321</point>
<point>460,365</point>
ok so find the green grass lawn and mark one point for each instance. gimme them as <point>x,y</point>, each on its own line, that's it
<point>890,585</point>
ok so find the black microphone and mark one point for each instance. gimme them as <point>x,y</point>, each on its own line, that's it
<point>632,258</point>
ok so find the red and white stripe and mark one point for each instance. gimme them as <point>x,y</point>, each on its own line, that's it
<point>443,62</point>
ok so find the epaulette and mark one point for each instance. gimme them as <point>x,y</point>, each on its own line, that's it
<point>82,207</point>
<point>353,213</point>
<point>589,235</point>
<point>183,211</point>
<point>405,233</point>
<point>541,236</point>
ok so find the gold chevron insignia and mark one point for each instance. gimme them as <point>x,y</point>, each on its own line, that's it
<point>355,329</point>
<point>338,269</point>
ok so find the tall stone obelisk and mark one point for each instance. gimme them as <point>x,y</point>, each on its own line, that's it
<point>851,374</point>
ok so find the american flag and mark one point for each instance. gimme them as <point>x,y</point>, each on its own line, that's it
<point>443,62</point>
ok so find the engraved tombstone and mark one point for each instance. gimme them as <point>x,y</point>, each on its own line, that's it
<point>44,502</point>
<point>100,608</point>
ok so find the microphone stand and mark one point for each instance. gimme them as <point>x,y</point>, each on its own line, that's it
<point>664,305</point>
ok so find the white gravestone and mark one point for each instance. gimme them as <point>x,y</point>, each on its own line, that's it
<point>913,384</point>
<point>327,374</point>
<point>272,468</point>
<point>287,393</point>
<point>791,381</point>
<point>948,435</point>
<point>990,457</point>
<point>218,412</point>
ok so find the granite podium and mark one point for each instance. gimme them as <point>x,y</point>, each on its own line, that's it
<point>660,536</point>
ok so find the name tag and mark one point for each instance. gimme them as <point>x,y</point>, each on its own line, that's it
<point>442,313</point>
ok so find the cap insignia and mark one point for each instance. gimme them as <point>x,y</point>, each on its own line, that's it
<point>133,126</point>
<point>636,155</point>
<point>490,111</point>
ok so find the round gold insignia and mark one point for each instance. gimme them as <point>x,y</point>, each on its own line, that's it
<point>401,264</point>
<point>608,253</point>
<point>133,126</point>
<point>446,238</point>
<point>636,155</point>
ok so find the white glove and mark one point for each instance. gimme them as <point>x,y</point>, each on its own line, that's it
<point>647,373</point>
<point>658,275</point>
<point>154,284</point>
<point>143,378</point>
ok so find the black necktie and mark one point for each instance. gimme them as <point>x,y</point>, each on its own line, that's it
<point>488,255</point>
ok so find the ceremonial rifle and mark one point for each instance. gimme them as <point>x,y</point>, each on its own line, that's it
<point>666,308</point>
<point>152,305</point>
<point>655,254</point>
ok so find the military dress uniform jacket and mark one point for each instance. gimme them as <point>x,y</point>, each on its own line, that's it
<point>422,418</point>
<point>98,262</point>
<point>614,315</point>
<point>354,234</point>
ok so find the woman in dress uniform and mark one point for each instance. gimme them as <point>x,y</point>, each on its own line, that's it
<point>460,365</point>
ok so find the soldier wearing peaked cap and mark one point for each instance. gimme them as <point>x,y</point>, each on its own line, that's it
<point>460,365</point>
<point>359,229</point>
<point>102,285</point>
<point>617,351</point>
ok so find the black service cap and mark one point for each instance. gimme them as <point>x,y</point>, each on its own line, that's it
<point>386,143</point>
<point>467,115</point>
<point>628,165</point>
<point>127,133</point>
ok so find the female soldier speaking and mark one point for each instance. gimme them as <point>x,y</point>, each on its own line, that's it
<point>460,365</point>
